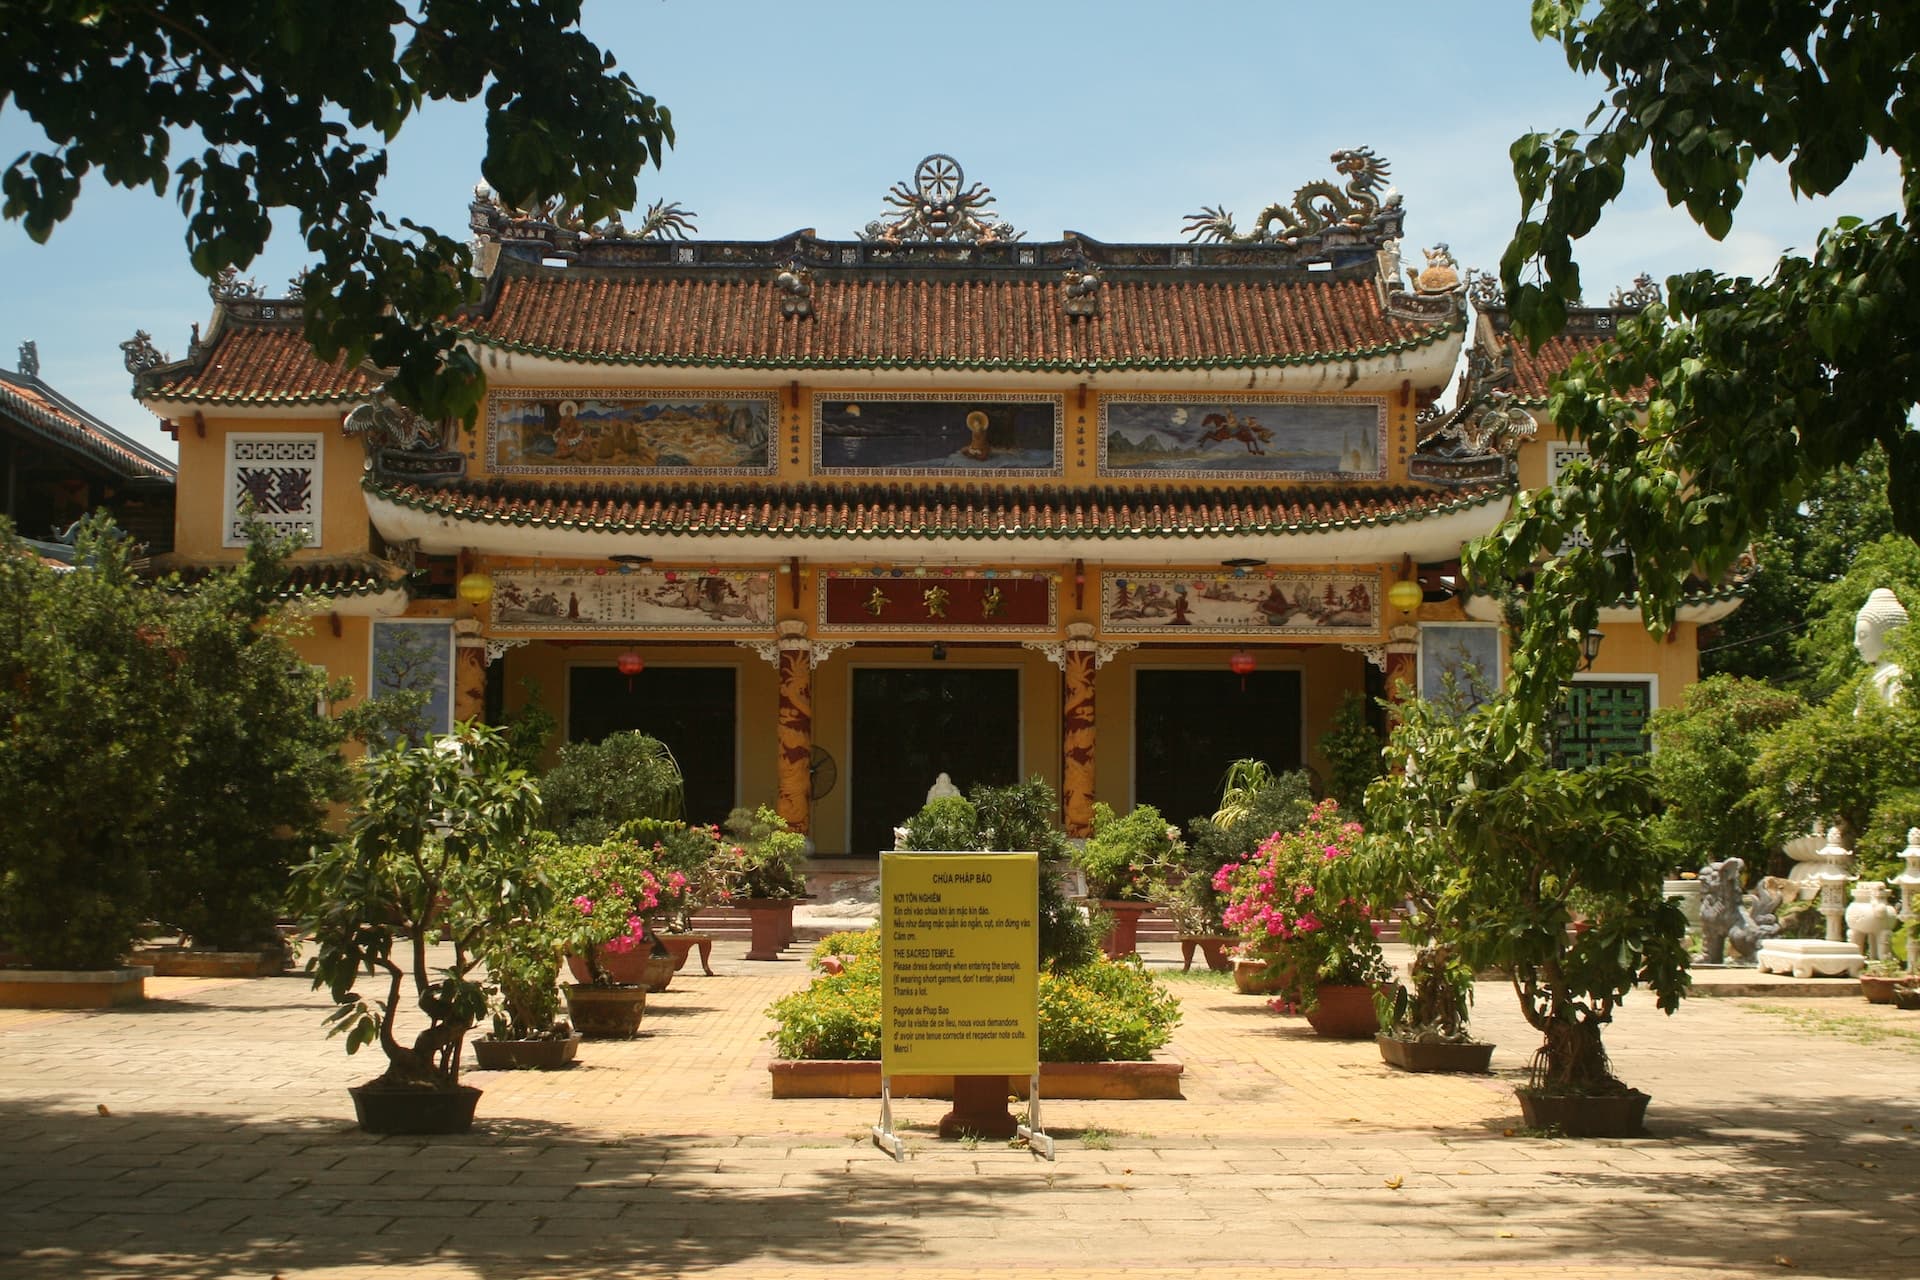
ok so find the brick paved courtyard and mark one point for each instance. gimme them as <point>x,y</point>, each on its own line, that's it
<point>209,1133</point>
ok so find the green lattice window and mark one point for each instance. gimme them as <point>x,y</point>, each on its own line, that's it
<point>1602,719</point>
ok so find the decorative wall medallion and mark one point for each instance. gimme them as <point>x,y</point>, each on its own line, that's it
<point>415,655</point>
<point>590,600</point>
<point>948,602</point>
<point>916,433</point>
<point>1336,606</point>
<point>1278,437</point>
<point>605,433</point>
<point>278,477</point>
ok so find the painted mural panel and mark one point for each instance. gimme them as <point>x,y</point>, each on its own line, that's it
<point>1274,437</point>
<point>415,656</point>
<point>1459,662</point>
<point>275,480</point>
<point>1334,605</point>
<point>944,601</point>
<point>914,433</point>
<point>647,433</point>
<point>550,600</point>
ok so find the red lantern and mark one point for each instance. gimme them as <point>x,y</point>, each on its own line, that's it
<point>1241,664</point>
<point>631,664</point>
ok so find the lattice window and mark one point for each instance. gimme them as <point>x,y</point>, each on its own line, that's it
<point>277,478</point>
<point>1603,719</point>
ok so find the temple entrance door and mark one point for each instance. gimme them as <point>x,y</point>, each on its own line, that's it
<point>1190,725</point>
<point>691,709</point>
<point>912,724</point>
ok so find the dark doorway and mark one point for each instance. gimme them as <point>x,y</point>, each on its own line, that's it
<point>691,709</point>
<point>912,724</point>
<point>1190,725</point>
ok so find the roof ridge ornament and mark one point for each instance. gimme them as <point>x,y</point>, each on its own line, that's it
<point>940,207</point>
<point>229,287</point>
<point>1315,207</point>
<point>29,365</point>
<point>1645,292</point>
<point>561,226</point>
<point>139,353</point>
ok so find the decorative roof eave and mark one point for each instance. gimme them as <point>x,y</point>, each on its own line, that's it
<point>1698,607</point>
<point>352,586</point>
<point>83,433</point>
<point>442,525</point>
<point>1426,361</point>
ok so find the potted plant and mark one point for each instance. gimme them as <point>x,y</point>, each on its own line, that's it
<point>594,788</point>
<point>1122,860</point>
<point>706,870</point>
<point>1405,862</point>
<point>603,894</point>
<point>1531,849</point>
<point>436,851</point>
<point>1880,979</point>
<point>523,972</point>
<point>771,862</point>
<point>1255,802</point>
<point>1285,908</point>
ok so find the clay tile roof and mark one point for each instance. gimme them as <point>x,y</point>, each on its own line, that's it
<point>929,510</point>
<point>44,411</point>
<point>262,363</point>
<point>944,320</point>
<point>333,577</point>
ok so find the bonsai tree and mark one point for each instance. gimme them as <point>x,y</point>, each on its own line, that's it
<point>436,850</point>
<point>523,972</point>
<point>1020,817</point>
<point>595,787</point>
<point>1522,852</point>
<point>772,856</point>
<point>1124,855</point>
<point>1285,905</point>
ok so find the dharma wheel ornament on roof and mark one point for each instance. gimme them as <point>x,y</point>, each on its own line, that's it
<point>940,206</point>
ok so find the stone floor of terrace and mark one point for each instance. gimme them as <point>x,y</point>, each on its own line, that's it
<point>208,1133</point>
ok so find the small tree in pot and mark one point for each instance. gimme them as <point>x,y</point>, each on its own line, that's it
<point>436,851</point>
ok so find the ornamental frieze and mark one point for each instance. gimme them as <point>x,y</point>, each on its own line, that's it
<point>1332,606</point>
<point>628,599</point>
<point>1272,437</point>
<point>631,433</point>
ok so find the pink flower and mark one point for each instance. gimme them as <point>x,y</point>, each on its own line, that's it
<point>584,905</point>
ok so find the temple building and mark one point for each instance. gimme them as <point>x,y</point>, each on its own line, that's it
<point>832,517</point>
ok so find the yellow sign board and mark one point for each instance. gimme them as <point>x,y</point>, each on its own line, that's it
<point>960,938</point>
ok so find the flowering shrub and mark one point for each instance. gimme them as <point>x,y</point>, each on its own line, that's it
<point>1277,901</point>
<point>613,896</point>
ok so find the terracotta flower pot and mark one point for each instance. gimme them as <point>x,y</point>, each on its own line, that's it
<point>772,922</point>
<point>1123,935</point>
<point>681,945</point>
<point>383,1108</point>
<point>1434,1055</point>
<point>1213,949</point>
<point>635,968</point>
<point>606,1013</point>
<point>547,1053</point>
<point>1344,1012</point>
<point>1257,976</point>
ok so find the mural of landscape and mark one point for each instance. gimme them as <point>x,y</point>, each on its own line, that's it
<point>637,600</point>
<point>591,433</point>
<point>917,434</point>
<point>1282,437</point>
<point>1284,604</point>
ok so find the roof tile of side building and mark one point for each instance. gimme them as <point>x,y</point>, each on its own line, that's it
<point>38,407</point>
<point>252,361</point>
<point>932,510</point>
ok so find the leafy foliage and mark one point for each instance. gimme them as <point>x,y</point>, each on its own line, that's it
<point>1838,763</point>
<point>1827,647</point>
<point>1124,855</point>
<point>1018,817</point>
<point>1753,389</point>
<point>595,787</point>
<point>1100,1011</point>
<point>1703,773</point>
<point>438,847</point>
<point>1351,747</point>
<point>294,104</point>
<point>773,857</point>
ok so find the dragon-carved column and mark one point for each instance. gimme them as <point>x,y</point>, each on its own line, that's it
<point>469,671</point>
<point>1077,729</point>
<point>794,733</point>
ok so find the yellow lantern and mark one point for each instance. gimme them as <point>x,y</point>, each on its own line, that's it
<point>1405,595</point>
<point>476,588</point>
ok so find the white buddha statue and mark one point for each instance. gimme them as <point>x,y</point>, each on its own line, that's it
<point>1878,619</point>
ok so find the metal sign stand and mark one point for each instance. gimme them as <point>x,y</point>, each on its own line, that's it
<point>883,1135</point>
<point>1037,1140</point>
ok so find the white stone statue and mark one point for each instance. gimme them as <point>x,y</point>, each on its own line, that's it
<point>1878,619</point>
<point>1871,920</point>
<point>942,786</point>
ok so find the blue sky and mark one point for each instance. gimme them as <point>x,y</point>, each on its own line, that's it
<point>1112,119</point>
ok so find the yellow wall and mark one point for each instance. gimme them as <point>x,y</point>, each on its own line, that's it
<point>1629,651</point>
<point>202,480</point>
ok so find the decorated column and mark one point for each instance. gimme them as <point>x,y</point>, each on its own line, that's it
<point>794,735</point>
<point>1076,732</point>
<point>469,671</point>
<point>1402,671</point>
